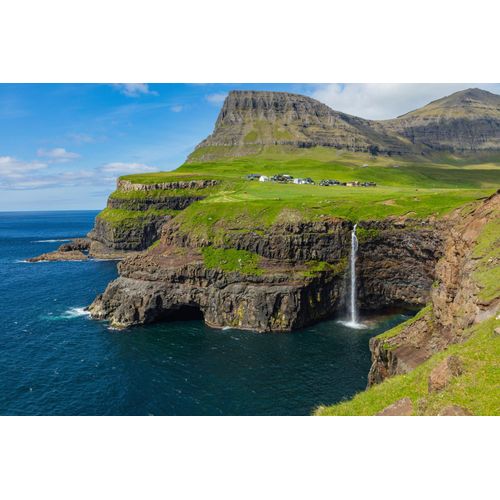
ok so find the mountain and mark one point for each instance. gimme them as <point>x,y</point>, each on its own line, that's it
<point>468,120</point>
<point>251,119</point>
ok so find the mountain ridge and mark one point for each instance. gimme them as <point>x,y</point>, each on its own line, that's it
<point>467,120</point>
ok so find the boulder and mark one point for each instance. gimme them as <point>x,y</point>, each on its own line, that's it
<point>444,372</point>
<point>454,411</point>
<point>401,408</point>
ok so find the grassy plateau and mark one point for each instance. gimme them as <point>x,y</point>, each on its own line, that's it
<point>416,187</point>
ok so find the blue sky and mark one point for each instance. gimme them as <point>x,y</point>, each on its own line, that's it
<point>62,146</point>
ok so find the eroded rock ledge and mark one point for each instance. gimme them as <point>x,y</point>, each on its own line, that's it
<point>454,303</point>
<point>140,220</point>
<point>155,285</point>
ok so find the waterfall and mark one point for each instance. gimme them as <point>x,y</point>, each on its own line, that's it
<point>353,321</point>
<point>354,251</point>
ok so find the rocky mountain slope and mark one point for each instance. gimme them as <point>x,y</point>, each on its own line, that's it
<point>465,293</point>
<point>466,121</point>
<point>249,119</point>
<point>445,360</point>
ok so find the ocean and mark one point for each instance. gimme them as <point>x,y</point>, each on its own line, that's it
<point>55,360</point>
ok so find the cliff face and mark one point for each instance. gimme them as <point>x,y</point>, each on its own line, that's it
<point>136,213</point>
<point>396,260</point>
<point>168,282</point>
<point>250,119</point>
<point>465,121</point>
<point>107,237</point>
<point>457,298</point>
<point>301,276</point>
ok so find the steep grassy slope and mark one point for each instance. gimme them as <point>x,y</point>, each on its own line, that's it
<point>476,390</point>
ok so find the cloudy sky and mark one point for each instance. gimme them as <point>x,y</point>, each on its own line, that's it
<point>62,146</point>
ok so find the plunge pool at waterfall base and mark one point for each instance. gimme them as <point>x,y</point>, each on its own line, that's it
<point>54,360</point>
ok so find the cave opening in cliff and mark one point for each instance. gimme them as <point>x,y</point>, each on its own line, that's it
<point>184,312</point>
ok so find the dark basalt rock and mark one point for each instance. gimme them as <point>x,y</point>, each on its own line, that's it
<point>153,287</point>
<point>285,297</point>
<point>396,267</point>
<point>167,203</point>
<point>77,249</point>
<point>125,237</point>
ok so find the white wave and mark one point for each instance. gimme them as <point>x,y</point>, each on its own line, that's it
<point>51,241</point>
<point>75,312</point>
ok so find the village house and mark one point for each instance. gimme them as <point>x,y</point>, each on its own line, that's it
<point>299,180</point>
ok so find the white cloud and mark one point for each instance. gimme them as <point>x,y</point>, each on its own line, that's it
<point>380,101</point>
<point>19,175</point>
<point>120,168</point>
<point>14,172</point>
<point>58,154</point>
<point>216,98</point>
<point>110,171</point>
<point>134,89</point>
<point>176,109</point>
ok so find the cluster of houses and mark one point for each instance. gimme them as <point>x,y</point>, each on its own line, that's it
<point>285,178</point>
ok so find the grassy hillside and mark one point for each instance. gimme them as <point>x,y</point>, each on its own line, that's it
<point>417,187</point>
<point>475,390</point>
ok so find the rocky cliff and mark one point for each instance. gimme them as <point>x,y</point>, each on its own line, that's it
<point>251,119</point>
<point>463,122</point>
<point>464,293</point>
<point>133,218</point>
<point>299,276</point>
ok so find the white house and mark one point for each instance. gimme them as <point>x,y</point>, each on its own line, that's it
<point>264,178</point>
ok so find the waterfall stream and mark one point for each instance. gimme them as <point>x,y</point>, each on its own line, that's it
<point>354,251</point>
<point>353,321</point>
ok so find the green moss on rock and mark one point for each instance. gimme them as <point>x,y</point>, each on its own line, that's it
<point>231,260</point>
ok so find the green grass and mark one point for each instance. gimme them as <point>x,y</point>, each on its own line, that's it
<point>315,267</point>
<point>487,260</point>
<point>320,163</point>
<point>415,187</point>
<point>231,260</point>
<point>364,234</point>
<point>476,390</point>
<point>251,209</point>
<point>394,332</point>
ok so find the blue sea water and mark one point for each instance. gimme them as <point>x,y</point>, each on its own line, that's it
<point>54,360</point>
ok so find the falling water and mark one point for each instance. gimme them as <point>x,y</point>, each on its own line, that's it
<point>354,251</point>
<point>353,308</point>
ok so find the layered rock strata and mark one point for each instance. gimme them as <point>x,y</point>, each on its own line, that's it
<point>455,301</point>
<point>286,295</point>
